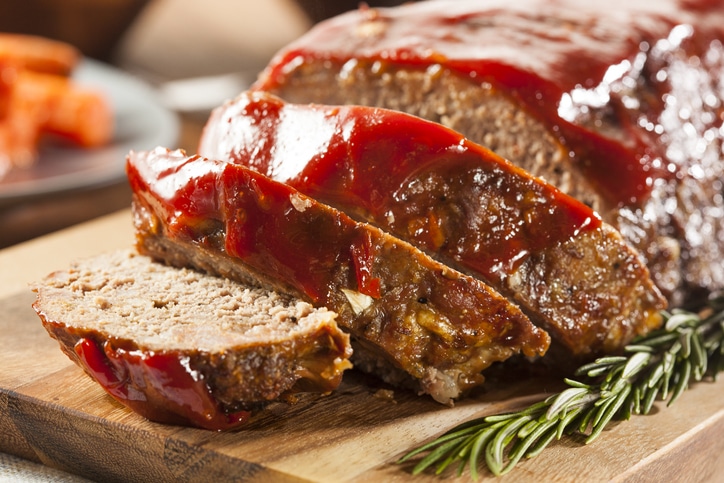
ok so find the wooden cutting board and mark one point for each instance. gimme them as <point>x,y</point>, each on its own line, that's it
<point>52,413</point>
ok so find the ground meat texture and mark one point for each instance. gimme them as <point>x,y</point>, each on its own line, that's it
<point>178,346</point>
<point>616,104</point>
<point>439,326</point>
<point>574,275</point>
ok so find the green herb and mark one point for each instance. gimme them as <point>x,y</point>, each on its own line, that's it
<point>659,366</point>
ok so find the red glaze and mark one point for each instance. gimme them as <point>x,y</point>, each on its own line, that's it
<point>562,60</point>
<point>159,386</point>
<point>242,219</point>
<point>193,190</point>
<point>289,245</point>
<point>372,163</point>
<point>363,257</point>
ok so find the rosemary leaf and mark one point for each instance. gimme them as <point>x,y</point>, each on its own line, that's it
<point>649,400</point>
<point>685,339</point>
<point>698,356</point>
<point>640,348</point>
<point>564,400</point>
<point>653,342</point>
<point>659,366</point>
<point>682,382</point>
<point>542,444</point>
<point>434,456</point>
<point>564,423</point>
<point>655,376</point>
<point>668,364</point>
<point>608,413</point>
<point>574,383</point>
<point>428,446</point>
<point>520,450</point>
<point>635,364</point>
<point>495,450</point>
<point>601,362</point>
<point>476,449</point>
<point>528,428</point>
<point>532,410</point>
<point>678,319</point>
<point>585,421</point>
<point>638,395</point>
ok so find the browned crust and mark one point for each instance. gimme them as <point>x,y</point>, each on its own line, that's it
<point>240,377</point>
<point>443,345</point>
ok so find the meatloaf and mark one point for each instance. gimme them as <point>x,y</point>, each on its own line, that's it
<point>181,347</point>
<point>412,318</point>
<point>551,254</point>
<point>617,103</point>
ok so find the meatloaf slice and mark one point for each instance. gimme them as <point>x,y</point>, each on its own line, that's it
<point>178,346</point>
<point>616,103</point>
<point>572,274</point>
<point>405,311</point>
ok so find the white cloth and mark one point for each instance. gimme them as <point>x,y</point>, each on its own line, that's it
<point>14,469</point>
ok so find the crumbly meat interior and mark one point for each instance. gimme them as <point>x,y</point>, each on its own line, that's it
<point>126,295</point>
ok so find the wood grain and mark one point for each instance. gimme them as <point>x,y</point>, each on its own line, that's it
<point>51,412</point>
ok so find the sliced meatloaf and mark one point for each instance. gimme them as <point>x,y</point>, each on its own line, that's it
<point>410,316</point>
<point>178,346</point>
<point>551,254</point>
<point>617,103</point>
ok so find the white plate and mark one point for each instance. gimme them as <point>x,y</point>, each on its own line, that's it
<point>141,123</point>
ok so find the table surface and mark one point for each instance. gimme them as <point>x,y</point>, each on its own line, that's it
<point>154,43</point>
<point>681,441</point>
<point>40,234</point>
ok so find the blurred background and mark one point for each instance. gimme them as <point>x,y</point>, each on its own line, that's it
<point>193,54</point>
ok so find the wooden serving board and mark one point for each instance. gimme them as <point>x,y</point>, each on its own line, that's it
<point>52,413</point>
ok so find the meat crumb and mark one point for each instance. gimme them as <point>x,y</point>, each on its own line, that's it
<point>299,202</point>
<point>386,395</point>
<point>102,303</point>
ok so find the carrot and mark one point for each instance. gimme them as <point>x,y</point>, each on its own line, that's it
<point>18,143</point>
<point>38,98</point>
<point>79,115</point>
<point>38,54</point>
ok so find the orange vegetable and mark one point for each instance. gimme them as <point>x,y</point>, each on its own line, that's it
<point>38,53</point>
<point>62,108</point>
<point>37,99</point>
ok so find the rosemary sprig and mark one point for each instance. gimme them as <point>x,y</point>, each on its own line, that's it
<point>659,366</point>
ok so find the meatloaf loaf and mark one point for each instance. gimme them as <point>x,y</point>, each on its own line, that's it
<point>572,274</point>
<point>617,103</point>
<point>181,347</point>
<point>411,317</point>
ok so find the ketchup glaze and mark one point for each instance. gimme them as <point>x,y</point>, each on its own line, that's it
<point>416,178</point>
<point>158,386</point>
<point>387,293</point>
<point>570,64</point>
